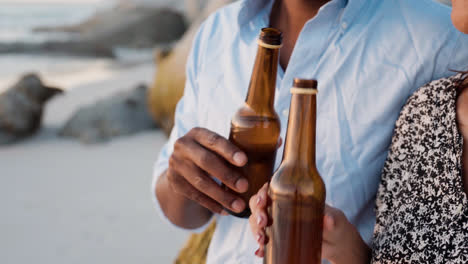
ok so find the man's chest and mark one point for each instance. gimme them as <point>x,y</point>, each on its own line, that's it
<point>359,84</point>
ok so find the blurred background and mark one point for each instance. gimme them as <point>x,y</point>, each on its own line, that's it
<point>87,94</point>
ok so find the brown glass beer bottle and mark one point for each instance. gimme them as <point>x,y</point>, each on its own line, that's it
<point>255,127</point>
<point>296,189</point>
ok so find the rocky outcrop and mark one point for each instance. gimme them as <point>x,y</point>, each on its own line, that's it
<point>128,26</point>
<point>124,113</point>
<point>193,9</point>
<point>190,8</point>
<point>22,106</point>
<point>122,26</point>
<point>169,83</point>
<point>66,48</point>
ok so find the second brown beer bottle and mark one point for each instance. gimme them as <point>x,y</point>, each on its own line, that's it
<point>297,191</point>
<point>255,128</point>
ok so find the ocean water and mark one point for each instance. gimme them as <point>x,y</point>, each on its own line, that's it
<point>17,23</point>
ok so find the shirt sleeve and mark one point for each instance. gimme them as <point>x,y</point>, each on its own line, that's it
<point>185,119</point>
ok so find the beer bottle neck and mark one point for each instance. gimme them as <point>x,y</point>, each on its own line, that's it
<point>300,137</point>
<point>261,94</point>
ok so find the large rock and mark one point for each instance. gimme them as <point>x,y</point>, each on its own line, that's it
<point>193,9</point>
<point>128,26</point>
<point>65,48</point>
<point>190,8</point>
<point>169,83</point>
<point>22,106</point>
<point>124,113</point>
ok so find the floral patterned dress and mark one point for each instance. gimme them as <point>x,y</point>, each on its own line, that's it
<point>422,210</point>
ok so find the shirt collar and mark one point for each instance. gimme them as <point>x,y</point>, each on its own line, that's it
<point>252,8</point>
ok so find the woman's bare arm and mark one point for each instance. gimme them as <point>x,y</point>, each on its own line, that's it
<point>462,120</point>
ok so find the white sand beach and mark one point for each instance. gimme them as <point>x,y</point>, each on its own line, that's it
<point>65,202</point>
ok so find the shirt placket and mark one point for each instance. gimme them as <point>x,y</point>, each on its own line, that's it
<point>311,44</point>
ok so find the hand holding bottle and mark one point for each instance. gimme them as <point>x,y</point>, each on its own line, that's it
<point>200,156</point>
<point>341,240</point>
<point>255,127</point>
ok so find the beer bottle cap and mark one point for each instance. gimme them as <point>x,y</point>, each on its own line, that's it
<point>270,38</point>
<point>304,86</point>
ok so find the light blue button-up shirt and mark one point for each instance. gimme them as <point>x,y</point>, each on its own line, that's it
<point>368,56</point>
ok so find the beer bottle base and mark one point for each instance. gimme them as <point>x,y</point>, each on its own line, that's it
<point>244,214</point>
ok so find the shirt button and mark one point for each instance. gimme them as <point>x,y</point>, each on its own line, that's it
<point>344,25</point>
<point>285,113</point>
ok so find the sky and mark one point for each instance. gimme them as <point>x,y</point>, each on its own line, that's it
<point>50,1</point>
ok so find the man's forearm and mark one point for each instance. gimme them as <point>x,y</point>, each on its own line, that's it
<point>178,209</point>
